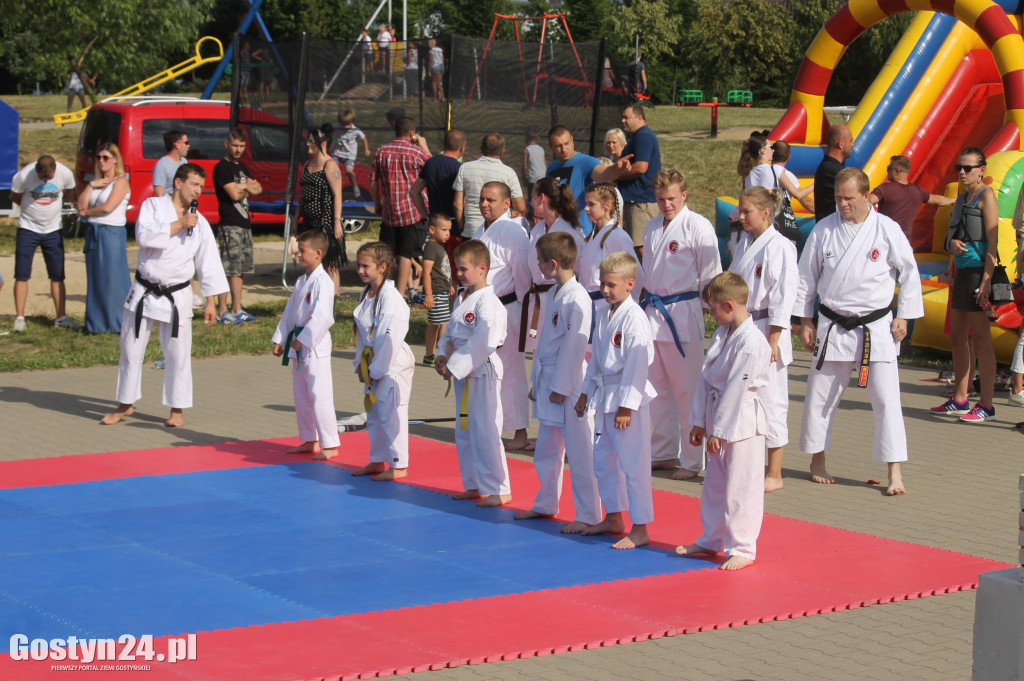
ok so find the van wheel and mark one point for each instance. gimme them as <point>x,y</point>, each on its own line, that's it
<point>351,225</point>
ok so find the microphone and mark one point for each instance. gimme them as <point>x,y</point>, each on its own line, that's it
<point>193,208</point>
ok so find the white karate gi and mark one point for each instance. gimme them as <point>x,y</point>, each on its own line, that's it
<point>854,269</point>
<point>476,329</point>
<point>166,260</point>
<point>678,257</point>
<point>382,323</point>
<point>597,248</point>
<point>311,306</point>
<point>622,353</point>
<point>769,266</point>
<point>558,366</point>
<point>727,405</point>
<point>535,299</point>
<point>509,246</point>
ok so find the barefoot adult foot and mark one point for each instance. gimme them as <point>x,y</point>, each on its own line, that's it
<point>526,515</point>
<point>468,494</point>
<point>325,454</point>
<point>494,500</point>
<point>306,448</point>
<point>693,550</point>
<point>666,465</point>
<point>772,484</point>
<point>175,420</point>
<point>575,527</point>
<point>685,474</point>
<point>372,468</point>
<point>735,563</point>
<point>610,525</point>
<point>637,537</point>
<point>115,416</point>
<point>517,445</point>
<point>895,481</point>
<point>818,472</point>
<point>392,474</point>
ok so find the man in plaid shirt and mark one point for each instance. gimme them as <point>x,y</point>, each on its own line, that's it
<point>396,166</point>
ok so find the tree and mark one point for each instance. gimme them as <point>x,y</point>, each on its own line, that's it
<point>589,19</point>
<point>658,29</point>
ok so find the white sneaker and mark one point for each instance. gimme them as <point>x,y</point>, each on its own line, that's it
<point>1016,399</point>
<point>19,324</point>
<point>67,322</point>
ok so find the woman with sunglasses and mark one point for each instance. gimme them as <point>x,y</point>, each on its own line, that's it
<point>972,241</point>
<point>102,203</point>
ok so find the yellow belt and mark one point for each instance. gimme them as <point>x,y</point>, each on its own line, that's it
<point>369,399</point>
<point>463,403</point>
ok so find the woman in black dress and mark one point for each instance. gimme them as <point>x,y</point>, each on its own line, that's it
<point>320,207</point>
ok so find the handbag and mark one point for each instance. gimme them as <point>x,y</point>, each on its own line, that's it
<point>785,219</point>
<point>1001,291</point>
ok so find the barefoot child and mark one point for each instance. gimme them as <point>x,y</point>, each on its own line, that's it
<point>437,282</point>
<point>727,409</point>
<point>558,365</point>
<point>622,352</point>
<point>304,332</point>
<point>467,354</point>
<point>384,363</point>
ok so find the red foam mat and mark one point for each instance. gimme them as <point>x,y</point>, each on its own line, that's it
<point>802,569</point>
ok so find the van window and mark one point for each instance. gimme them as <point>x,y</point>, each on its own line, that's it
<point>100,126</point>
<point>206,137</point>
<point>268,142</point>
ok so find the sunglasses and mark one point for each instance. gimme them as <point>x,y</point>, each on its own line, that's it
<point>184,142</point>
<point>104,158</point>
<point>961,168</point>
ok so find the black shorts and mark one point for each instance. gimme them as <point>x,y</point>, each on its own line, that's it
<point>965,283</point>
<point>405,240</point>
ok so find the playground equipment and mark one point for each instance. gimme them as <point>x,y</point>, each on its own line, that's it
<point>173,72</point>
<point>743,98</point>
<point>955,79</point>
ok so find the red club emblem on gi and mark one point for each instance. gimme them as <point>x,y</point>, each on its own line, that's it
<point>757,271</point>
<point>308,298</point>
<point>554,319</point>
<point>470,318</point>
<point>617,340</point>
<point>875,255</point>
<point>673,246</point>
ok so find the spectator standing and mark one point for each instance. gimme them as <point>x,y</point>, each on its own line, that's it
<point>474,175</point>
<point>103,203</point>
<point>320,207</point>
<point>234,183</point>
<point>644,157</point>
<point>899,198</point>
<point>384,45</point>
<point>395,114</point>
<point>176,143</point>
<point>436,70</point>
<point>614,143</point>
<point>366,43</point>
<point>638,76</point>
<point>412,71</point>
<point>39,189</point>
<point>840,146</point>
<point>576,169</point>
<point>396,166</point>
<point>438,177</point>
<point>534,160</point>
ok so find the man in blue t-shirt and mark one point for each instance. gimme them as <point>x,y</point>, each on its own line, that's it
<point>578,169</point>
<point>644,156</point>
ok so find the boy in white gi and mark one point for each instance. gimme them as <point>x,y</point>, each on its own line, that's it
<point>766,260</point>
<point>175,244</point>
<point>384,363</point>
<point>509,276</point>
<point>853,260</point>
<point>304,333</point>
<point>680,258</point>
<point>622,352</point>
<point>558,365</point>
<point>728,411</point>
<point>467,354</point>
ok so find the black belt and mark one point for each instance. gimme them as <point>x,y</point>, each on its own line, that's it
<point>508,298</point>
<point>595,295</point>
<point>758,315</point>
<point>850,323</point>
<point>163,292</point>
<point>527,320</point>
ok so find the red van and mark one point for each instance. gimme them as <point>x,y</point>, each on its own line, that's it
<point>137,126</point>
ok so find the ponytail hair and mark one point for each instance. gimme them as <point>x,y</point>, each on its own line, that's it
<point>764,198</point>
<point>755,143</point>
<point>324,135</point>
<point>560,198</point>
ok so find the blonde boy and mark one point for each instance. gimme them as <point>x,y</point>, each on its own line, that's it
<point>466,354</point>
<point>304,332</point>
<point>558,365</point>
<point>346,146</point>
<point>622,352</point>
<point>728,412</point>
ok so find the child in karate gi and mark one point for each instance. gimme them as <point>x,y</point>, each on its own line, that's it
<point>607,237</point>
<point>558,365</point>
<point>622,352</point>
<point>466,355</point>
<point>680,258</point>
<point>384,363</point>
<point>728,412</point>
<point>304,333</point>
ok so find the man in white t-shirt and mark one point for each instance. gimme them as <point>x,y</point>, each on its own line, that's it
<point>39,189</point>
<point>473,175</point>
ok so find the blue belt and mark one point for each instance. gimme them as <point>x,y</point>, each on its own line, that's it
<point>659,303</point>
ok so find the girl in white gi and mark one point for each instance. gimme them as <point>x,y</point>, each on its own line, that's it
<point>558,365</point>
<point>606,238</point>
<point>766,260</point>
<point>384,363</point>
<point>680,258</point>
<point>304,332</point>
<point>555,206</point>
<point>175,244</point>
<point>466,355</point>
<point>622,352</point>
<point>728,411</point>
